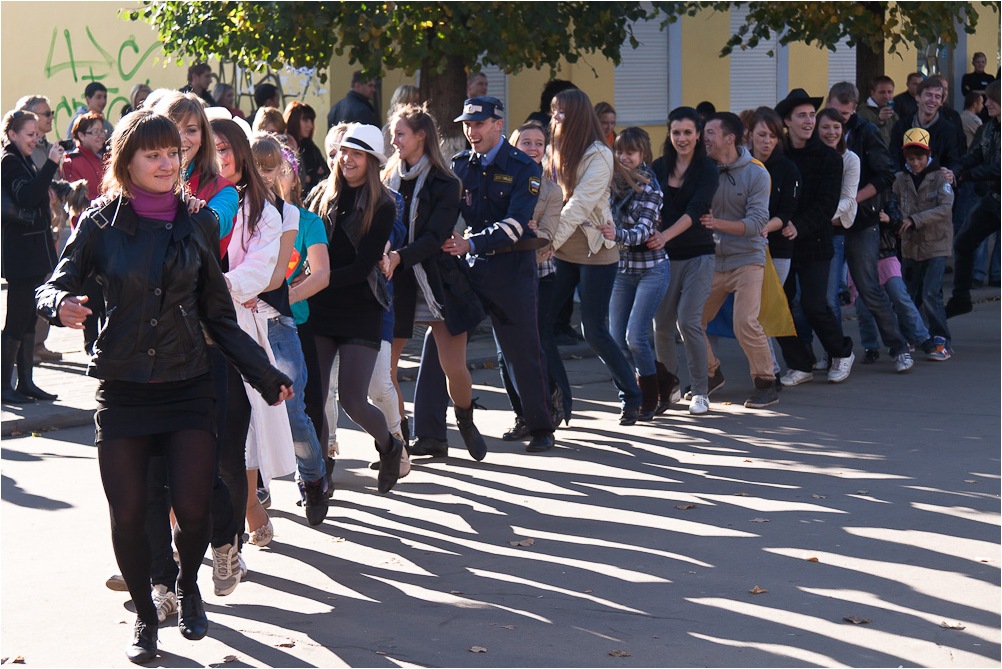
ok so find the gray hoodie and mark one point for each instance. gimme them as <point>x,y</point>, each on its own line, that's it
<point>743,195</point>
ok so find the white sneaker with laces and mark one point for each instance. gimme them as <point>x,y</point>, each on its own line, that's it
<point>700,405</point>
<point>165,601</point>
<point>239,566</point>
<point>224,577</point>
<point>795,377</point>
<point>903,362</point>
<point>841,368</point>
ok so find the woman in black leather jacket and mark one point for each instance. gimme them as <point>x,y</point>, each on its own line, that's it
<point>29,252</point>
<point>162,284</point>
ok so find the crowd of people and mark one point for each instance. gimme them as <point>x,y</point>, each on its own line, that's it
<point>219,268</point>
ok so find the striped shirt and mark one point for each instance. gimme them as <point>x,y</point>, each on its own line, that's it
<point>636,215</point>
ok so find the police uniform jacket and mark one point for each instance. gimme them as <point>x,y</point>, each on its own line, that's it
<point>497,200</point>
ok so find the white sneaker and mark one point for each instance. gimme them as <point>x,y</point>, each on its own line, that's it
<point>795,377</point>
<point>700,405</point>
<point>240,567</point>
<point>903,362</point>
<point>822,364</point>
<point>165,601</point>
<point>841,368</point>
<point>224,577</point>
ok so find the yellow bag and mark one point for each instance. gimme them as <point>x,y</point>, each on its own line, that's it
<point>774,314</point>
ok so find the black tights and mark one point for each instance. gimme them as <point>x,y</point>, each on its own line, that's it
<point>191,458</point>
<point>354,374</point>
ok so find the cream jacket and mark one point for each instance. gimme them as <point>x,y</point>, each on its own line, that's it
<point>589,205</point>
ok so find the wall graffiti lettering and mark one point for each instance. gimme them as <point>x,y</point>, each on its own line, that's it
<point>87,60</point>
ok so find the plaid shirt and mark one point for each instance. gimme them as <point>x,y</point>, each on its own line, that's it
<point>637,215</point>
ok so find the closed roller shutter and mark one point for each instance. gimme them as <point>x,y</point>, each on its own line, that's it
<point>754,73</point>
<point>842,67</point>
<point>641,79</point>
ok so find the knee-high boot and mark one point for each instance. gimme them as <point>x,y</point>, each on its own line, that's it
<point>26,368</point>
<point>8,355</point>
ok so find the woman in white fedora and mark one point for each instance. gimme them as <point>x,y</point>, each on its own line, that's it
<point>347,316</point>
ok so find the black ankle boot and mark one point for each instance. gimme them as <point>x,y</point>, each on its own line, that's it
<point>192,622</point>
<point>474,441</point>
<point>26,368</point>
<point>144,643</point>
<point>9,354</point>
<point>389,465</point>
<point>668,385</point>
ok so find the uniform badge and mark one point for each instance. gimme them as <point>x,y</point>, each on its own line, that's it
<point>534,185</point>
<point>503,178</point>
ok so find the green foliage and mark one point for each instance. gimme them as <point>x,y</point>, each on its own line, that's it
<point>392,35</point>
<point>876,25</point>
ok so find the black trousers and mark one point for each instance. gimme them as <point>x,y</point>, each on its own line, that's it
<point>813,280</point>
<point>21,306</point>
<point>984,220</point>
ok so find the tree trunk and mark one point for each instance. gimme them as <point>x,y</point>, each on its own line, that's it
<point>445,94</point>
<point>870,61</point>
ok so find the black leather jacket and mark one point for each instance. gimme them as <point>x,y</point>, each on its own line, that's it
<point>161,283</point>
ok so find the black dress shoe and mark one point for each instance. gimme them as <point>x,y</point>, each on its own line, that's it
<point>29,389</point>
<point>144,643</point>
<point>630,416</point>
<point>518,431</point>
<point>430,446</point>
<point>192,622</point>
<point>541,442</point>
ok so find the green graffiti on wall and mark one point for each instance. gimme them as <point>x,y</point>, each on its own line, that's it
<point>94,62</point>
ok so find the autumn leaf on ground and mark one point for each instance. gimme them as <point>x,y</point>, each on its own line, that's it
<point>507,627</point>
<point>965,480</point>
<point>954,626</point>
<point>287,644</point>
<point>819,496</point>
<point>18,660</point>
<point>478,649</point>
<point>760,520</point>
<point>619,653</point>
<point>523,542</point>
<point>230,658</point>
<point>685,507</point>
<point>455,592</point>
<point>813,559</point>
<point>757,590</point>
<point>741,494</point>
<point>862,492</point>
<point>588,590</point>
<point>746,460</point>
<point>855,620</point>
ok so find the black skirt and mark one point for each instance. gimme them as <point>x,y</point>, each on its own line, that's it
<point>126,409</point>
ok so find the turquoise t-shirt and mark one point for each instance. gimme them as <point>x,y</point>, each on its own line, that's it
<point>311,231</point>
<point>225,203</point>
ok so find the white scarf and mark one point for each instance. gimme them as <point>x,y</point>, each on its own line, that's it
<point>419,172</point>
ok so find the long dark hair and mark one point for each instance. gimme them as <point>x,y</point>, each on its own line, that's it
<point>578,131</point>
<point>295,112</point>
<point>668,153</point>
<point>178,107</point>
<point>251,187</point>
<point>834,117</point>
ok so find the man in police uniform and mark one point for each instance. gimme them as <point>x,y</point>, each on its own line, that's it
<point>500,189</point>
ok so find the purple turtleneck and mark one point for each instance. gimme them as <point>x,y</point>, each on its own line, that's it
<point>158,206</point>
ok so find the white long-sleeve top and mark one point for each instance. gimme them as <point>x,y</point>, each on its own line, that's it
<point>847,206</point>
<point>252,258</point>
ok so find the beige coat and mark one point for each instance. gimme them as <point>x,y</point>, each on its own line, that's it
<point>930,208</point>
<point>589,205</point>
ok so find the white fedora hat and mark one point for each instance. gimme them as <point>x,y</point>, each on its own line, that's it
<point>366,138</point>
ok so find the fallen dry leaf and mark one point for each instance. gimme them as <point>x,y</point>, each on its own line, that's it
<point>508,627</point>
<point>230,658</point>
<point>954,626</point>
<point>478,649</point>
<point>746,460</point>
<point>18,660</point>
<point>856,620</point>
<point>619,653</point>
<point>287,644</point>
<point>813,559</point>
<point>685,507</point>
<point>757,590</point>
<point>523,542</point>
<point>965,480</point>
<point>741,494</point>
<point>455,592</point>
<point>819,497</point>
<point>338,540</point>
<point>588,590</point>
<point>862,492</point>
<point>760,520</point>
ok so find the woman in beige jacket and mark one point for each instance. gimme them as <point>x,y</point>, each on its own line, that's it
<point>580,162</point>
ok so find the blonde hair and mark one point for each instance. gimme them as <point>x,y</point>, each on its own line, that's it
<point>266,115</point>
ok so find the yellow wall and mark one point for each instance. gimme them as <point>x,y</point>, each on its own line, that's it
<point>56,48</point>
<point>709,76</point>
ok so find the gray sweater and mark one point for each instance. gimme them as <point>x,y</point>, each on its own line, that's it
<point>742,195</point>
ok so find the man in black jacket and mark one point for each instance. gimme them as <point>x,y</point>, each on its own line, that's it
<point>945,139</point>
<point>356,106</point>
<point>821,184</point>
<point>862,240</point>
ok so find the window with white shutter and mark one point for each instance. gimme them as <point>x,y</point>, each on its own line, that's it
<point>756,77</point>
<point>842,67</point>
<point>641,79</point>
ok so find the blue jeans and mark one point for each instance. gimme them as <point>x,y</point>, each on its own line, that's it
<point>925,283</point>
<point>862,251</point>
<point>288,352</point>
<point>909,318</point>
<point>635,298</point>
<point>595,287</point>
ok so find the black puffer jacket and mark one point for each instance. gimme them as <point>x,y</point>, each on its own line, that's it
<point>28,248</point>
<point>161,284</point>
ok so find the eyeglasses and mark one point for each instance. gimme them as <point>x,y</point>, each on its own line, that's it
<point>97,132</point>
<point>48,114</point>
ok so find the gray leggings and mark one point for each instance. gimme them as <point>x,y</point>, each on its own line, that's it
<point>682,305</point>
<point>354,373</point>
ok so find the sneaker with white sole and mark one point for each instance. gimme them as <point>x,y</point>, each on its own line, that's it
<point>903,362</point>
<point>794,377</point>
<point>940,350</point>
<point>700,405</point>
<point>840,369</point>
<point>165,601</point>
<point>822,364</point>
<point>224,577</point>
